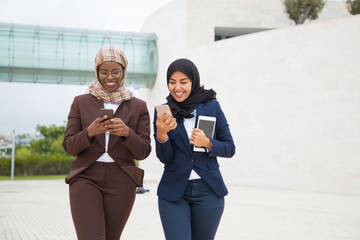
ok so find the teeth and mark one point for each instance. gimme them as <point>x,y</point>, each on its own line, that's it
<point>110,84</point>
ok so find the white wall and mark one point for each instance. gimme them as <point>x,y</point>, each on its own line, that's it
<point>191,23</point>
<point>292,98</point>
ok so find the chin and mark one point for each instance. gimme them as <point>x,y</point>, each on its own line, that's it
<point>179,99</point>
<point>110,90</point>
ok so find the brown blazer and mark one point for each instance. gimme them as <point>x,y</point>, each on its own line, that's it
<point>84,110</point>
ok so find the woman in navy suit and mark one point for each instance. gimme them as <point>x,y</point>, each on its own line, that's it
<point>191,191</point>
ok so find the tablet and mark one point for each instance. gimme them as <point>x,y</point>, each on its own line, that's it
<point>207,124</point>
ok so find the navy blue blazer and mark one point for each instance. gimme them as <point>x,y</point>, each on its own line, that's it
<point>179,158</point>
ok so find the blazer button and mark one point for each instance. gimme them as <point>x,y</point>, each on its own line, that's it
<point>191,160</point>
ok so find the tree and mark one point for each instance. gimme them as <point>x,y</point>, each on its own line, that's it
<point>45,156</point>
<point>23,153</point>
<point>51,131</point>
<point>50,135</point>
<point>353,6</point>
<point>300,10</point>
<point>56,146</point>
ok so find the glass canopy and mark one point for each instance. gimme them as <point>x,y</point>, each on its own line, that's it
<point>39,54</point>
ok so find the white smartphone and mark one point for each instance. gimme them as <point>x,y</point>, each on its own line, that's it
<point>163,109</point>
<point>207,124</point>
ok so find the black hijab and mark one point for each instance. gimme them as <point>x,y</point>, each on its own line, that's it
<point>198,94</point>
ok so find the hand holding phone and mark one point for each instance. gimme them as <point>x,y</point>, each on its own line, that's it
<point>108,112</point>
<point>163,123</point>
<point>96,127</point>
<point>163,109</point>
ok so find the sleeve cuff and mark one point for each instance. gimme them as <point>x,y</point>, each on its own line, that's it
<point>162,142</point>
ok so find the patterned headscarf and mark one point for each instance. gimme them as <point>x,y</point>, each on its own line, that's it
<point>110,54</point>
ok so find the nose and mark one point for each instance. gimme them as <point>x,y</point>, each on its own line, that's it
<point>110,76</point>
<point>177,86</point>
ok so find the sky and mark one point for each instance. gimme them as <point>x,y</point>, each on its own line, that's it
<point>24,105</point>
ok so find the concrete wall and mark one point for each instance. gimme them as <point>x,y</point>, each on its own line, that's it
<point>204,16</point>
<point>191,23</point>
<point>292,98</point>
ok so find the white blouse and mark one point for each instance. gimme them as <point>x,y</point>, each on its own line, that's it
<point>189,124</point>
<point>106,157</point>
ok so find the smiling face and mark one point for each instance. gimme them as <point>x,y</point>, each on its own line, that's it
<point>179,86</point>
<point>110,75</point>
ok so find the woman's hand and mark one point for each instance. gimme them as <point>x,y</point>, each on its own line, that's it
<point>97,127</point>
<point>163,125</point>
<point>199,139</point>
<point>117,127</point>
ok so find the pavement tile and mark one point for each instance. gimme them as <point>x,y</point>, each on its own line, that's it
<point>39,210</point>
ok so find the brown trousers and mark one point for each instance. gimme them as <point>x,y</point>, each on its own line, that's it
<point>101,199</point>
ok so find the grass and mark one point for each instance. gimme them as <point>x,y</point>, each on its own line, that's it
<point>43,177</point>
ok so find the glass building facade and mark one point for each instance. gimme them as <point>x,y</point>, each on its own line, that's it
<point>39,54</point>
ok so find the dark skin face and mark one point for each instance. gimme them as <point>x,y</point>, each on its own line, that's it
<point>110,75</point>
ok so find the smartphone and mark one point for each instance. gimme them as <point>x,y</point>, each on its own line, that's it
<point>108,112</point>
<point>207,124</point>
<point>163,109</point>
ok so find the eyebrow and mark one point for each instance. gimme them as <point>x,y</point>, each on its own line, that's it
<point>118,68</point>
<point>180,79</point>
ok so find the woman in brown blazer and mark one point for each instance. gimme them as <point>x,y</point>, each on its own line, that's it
<point>103,178</point>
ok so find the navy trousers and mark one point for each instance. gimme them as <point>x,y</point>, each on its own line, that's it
<point>196,216</point>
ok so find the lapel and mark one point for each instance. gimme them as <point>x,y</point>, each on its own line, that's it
<point>200,110</point>
<point>184,137</point>
<point>100,104</point>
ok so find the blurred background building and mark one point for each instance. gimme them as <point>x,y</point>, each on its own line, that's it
<point>39,54</point>
<point>291,94</point>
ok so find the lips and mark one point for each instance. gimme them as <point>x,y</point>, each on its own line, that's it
<point>110,84</point>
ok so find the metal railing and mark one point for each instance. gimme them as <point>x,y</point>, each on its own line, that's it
<point>40,54</point>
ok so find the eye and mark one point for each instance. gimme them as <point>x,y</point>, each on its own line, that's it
<point>116,73</point>
<point>103,73</point>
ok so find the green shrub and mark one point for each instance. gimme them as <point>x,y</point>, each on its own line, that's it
<point>353,6</point>
<point>5,165</point>
<point>42,157</point>
<point>55,164</point>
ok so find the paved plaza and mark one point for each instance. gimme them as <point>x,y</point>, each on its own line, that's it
<point>39,210</point>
